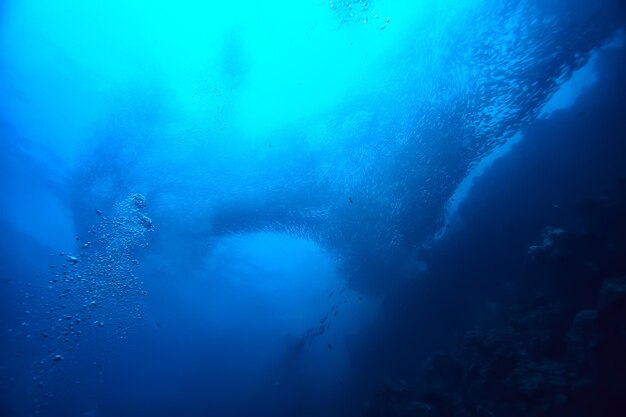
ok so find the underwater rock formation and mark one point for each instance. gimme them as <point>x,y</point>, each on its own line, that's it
<point>560,349</point>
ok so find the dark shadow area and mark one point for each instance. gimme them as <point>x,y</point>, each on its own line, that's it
<point>524,308</point>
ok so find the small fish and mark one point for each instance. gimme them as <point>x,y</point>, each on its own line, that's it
<point>330,346</point>
<point>350,199</point>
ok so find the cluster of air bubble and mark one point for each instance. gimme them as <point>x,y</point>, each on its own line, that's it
<point>109,262</point>
<point>93,294</point>
<point>359,11</point>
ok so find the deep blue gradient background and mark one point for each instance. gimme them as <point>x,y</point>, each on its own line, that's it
<point>334,191</point>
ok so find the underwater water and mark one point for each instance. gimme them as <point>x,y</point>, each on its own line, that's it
<point>313,208</point>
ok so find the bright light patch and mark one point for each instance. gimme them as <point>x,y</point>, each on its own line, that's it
<point>236,71</point>
<point>292,275</point>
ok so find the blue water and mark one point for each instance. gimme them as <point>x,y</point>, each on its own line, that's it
<point>272,208</point>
